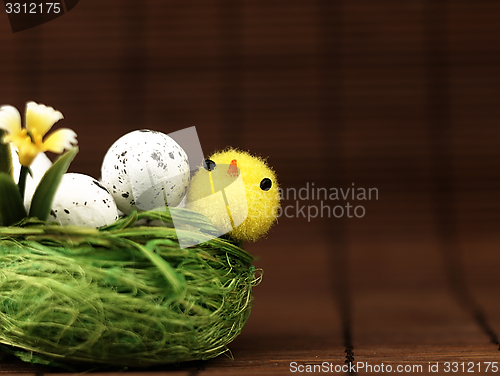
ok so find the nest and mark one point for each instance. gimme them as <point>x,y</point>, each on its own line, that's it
<point>123,295</point>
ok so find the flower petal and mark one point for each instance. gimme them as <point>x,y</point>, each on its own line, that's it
<point>41,118</point>
<point>60,140</point>
<point>18,138</point>
<point>10,119</point>
<point>26,149</point>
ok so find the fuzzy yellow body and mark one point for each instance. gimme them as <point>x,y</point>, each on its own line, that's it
<point>252,206</point>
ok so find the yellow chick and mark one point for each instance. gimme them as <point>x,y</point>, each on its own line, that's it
<point>238,192</point>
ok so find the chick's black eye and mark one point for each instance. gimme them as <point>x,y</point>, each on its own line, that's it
<point>266,184</point>
<point>209,165</point>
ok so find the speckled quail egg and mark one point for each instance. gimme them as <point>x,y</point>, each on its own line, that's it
<point>82,201</point>
<point>145,170</point>
<point>39,166</point>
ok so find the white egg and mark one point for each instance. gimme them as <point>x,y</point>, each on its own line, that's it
<point>145,170</point>
<point>82,201</point>
<point>39,166</point>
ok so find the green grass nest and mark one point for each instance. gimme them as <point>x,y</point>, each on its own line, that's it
<point>124,295</point>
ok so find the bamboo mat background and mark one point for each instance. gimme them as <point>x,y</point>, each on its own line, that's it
<point>402,96</point>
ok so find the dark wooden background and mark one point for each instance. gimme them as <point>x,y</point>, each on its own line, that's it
<point>402,96</point>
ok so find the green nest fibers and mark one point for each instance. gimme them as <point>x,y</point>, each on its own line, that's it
<point>124,295</point>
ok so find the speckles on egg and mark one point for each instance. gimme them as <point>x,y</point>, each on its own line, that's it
<point>156,156</point>
<point>100,185</point>
<point>81,200</point>
<point>143,168</point>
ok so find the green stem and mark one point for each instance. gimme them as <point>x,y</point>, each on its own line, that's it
<point>22,180</point>
<point>5,156</point>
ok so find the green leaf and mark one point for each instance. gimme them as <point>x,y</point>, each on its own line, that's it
<point>11,204</point>
<point>5,156</point>
<point>41,204</point>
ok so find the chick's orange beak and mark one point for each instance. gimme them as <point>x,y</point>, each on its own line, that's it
<point>233,169</point>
